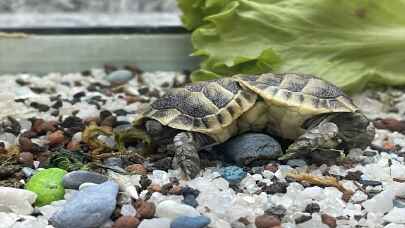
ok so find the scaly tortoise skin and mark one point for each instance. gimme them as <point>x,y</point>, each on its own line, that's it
<point>291,106</point>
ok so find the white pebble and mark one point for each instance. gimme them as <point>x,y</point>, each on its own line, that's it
<point>396,215</point>
<point>172,209</point>
<point>16,200</point>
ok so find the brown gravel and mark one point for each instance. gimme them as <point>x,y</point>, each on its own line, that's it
<point>25,144</point>
<point>126,222</point>
<point>73,145</point>
<point>154,188</point>
<point>267,221</point>
<point>56,138</point>
<point>175,190</point>
<point>26,158</point>
<point>390,124</point>
<point>144,210</point>
<point>329,220</point>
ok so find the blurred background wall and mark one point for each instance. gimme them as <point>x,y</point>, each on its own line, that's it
<point>34,13</point>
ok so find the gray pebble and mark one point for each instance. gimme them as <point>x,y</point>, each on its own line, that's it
<point>90,207</point>
<point>296,163</point>
<point>370,153</point>
<point>190,200</point>
<point>119,77</point>
<point>113,161</point>
<point>251,149</point>
<point>74,179</point>
<point>28,172</point>
<point>278,211</point>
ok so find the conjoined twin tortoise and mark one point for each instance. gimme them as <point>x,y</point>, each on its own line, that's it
<point>313,113</point>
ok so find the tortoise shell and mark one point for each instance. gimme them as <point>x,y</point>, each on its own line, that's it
<point>294,98</point>
<point>221,108</point>
<point>204,107</point>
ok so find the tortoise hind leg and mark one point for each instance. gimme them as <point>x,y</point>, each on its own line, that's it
<point>186,156</point>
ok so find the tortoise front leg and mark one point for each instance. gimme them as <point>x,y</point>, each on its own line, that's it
<point>323,137</point>
<point>186,156</point>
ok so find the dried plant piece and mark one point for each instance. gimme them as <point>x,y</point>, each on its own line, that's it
<point>90,137</point>
<point>326,181</point>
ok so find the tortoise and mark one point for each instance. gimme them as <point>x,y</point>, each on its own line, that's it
<point>313,113</point>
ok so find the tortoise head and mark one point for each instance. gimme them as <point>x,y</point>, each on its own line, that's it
<point>355,129</point>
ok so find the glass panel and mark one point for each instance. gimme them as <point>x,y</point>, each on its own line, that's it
<point>87,13</point>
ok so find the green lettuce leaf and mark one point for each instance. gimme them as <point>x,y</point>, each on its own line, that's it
<point>349,43</point>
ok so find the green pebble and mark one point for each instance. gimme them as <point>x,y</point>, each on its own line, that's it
<point>48,186</point>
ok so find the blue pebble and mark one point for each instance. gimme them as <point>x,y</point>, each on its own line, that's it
<point>233,174</point>
<point>190,222</point>
<point>190,200</point>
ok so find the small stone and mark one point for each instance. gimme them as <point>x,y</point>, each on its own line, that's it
<point>126,222</point>
<point>145,182</point>
<point>56,138</point>
<point>370,183</point>
<point>272,167</point>
<point>396,215</point>
<point>28,172</point>
<point>190,200</point>
<point>137,169</point>
<point>171,209</point>
<point>41,127</point>
<point>312,208</point>
<point>175,190</point>
<point>73,123</point>
<point>267,174</point>
<point>267,221</point>
<point>278,211</point>
<point>16,200</point>
<point>329,220</point>
<point>398,171</point>
<point>90,207</point>
<point>155,223</point>
<point>113,161</point>
<point>49,210</point>
<point>190,191</point>
<point>190,222</point>
<point>25,143</point>
<point>302,219</point>
<point>370,153</point>
<point>296,163</point>
<point>119,77</point>
<point>73,145</point>
<point>109,121</point>
<point>145,210</point>
<point>128,210</point>
<point>154,188</point>
<point>380,203</point>
<point>354,175</point>
<point>26,158</point>
<point>165,189</point>
<point>233,174</point>
<point>400,203</point>
<point>74,179</point>
<point>359,197</point>
<point>251,149</point>
<point>278,187</point>
<point>47,184</point>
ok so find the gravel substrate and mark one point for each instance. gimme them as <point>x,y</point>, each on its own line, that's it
<point>43,121</point>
